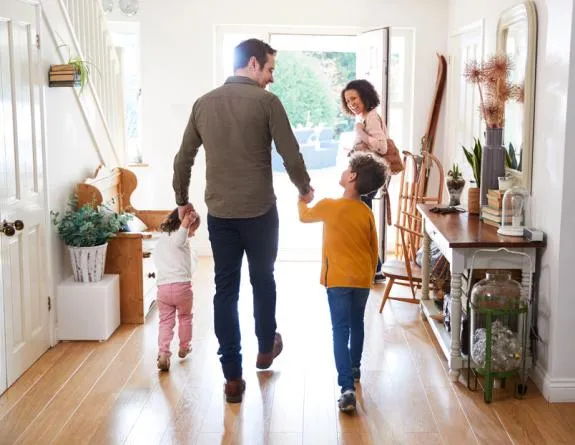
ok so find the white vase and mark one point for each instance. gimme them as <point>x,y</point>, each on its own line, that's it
<point>88,262</point>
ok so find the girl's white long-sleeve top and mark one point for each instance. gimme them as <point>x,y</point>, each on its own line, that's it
<point>173,257</point>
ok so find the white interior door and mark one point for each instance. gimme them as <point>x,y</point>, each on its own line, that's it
<point>25,321</point>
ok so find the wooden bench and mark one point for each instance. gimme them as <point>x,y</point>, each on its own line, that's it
<point>129,254</point>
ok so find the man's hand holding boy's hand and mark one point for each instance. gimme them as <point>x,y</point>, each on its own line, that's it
<point>308,197</point>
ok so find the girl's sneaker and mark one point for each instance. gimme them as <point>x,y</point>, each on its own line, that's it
<point>163,362</point>
<point>346,402</point>
<point>184,351</point>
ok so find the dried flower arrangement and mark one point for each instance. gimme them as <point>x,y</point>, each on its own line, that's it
<point>491,77</point>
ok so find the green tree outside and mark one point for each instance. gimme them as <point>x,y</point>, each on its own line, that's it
<point>304,89</point>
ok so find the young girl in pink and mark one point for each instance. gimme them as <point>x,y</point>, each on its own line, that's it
<point>174,265</point>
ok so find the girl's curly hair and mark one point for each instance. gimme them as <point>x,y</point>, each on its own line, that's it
<point>171,223</point>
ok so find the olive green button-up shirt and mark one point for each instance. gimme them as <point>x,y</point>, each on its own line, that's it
<point>236,124</point>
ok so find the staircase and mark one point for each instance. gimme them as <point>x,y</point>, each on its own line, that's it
<point>80,29</point>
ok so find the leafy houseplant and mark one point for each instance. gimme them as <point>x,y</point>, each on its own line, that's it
<point>86,230</point>
<point>80,68</point>
<point>474,158</point>
<point>455,185</point>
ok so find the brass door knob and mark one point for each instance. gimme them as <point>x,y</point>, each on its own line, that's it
<point>9,228</point>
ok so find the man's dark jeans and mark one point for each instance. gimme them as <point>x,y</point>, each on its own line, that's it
<point>230,238</point>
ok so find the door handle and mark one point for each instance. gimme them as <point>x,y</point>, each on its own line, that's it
<point>9,228</point>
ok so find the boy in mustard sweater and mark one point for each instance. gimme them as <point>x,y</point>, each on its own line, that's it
<point>349,257</point>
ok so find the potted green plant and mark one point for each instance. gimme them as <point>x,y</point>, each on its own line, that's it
<point>455,184</point>
<point>474,158</point>
<point>86,230</point>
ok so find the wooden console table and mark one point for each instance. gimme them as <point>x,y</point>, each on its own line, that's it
<point>459,236</point>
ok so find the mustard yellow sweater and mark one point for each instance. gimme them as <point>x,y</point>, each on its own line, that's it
<point>349,241</point>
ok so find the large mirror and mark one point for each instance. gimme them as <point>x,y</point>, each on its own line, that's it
<point>517,36</point>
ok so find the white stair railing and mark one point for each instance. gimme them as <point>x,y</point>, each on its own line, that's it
<point>94,44</point>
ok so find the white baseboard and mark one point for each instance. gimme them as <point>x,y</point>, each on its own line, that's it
<point>554,390</point>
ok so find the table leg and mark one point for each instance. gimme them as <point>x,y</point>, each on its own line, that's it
<point>525,279</point>
<point>455,313</point>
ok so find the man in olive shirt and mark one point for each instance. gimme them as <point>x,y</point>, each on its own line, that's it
<point>236,124</point>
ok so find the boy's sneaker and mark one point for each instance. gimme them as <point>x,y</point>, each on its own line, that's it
<point>184,351</point>
<point>378,278</point>
<point>163,362</point>
<point>356,373</point>
<point>346,402</point>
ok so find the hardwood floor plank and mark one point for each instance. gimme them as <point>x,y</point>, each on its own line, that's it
<point>320,409</point>
<point>13,424</point>
<point>49,421</point>
<point>71,395</point>
<point>285,439</point>
<point>288,405</point>
<point>520,420</point>
<point>85,420</point>
<point>31,377</point>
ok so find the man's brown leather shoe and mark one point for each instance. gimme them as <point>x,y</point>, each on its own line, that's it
<point>265,359</point>
<point>234,390</point>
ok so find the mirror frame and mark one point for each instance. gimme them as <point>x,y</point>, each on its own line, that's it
<point>523,12</point>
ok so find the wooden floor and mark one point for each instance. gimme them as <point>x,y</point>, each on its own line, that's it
<point>110,393</point>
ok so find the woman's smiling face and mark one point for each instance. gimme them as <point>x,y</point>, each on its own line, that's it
<point>354,102</point>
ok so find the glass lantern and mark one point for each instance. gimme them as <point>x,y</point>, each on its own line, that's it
<point>498,336</point>
<point>513,212</point>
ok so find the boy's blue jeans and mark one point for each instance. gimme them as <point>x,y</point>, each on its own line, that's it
<point>347,308</point>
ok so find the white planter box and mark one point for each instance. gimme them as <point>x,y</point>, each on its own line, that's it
<point>88,311</point>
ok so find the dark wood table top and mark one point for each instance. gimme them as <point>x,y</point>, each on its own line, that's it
<point>467,231</point>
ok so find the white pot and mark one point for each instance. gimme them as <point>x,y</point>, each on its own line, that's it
<point>88,262</point>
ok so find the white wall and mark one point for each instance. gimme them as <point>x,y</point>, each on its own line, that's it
<point>177,56</point>
<point>553,149</point>
<point>70,153</point>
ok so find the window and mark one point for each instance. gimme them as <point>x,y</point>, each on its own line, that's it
<point>127,39</point>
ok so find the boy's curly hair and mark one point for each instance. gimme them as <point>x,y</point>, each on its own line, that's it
<point>370,172</point>
<point>171,223</point>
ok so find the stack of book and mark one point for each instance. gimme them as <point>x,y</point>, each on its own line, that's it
<point>64,76</point>
<point>492,213</point>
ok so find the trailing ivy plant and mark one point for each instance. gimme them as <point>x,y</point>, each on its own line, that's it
<point>87,226</point>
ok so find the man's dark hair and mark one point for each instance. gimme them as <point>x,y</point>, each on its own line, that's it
<point>366,92</point>
<point>171,223</point>
<point>370,172</point>
<point>252,48</point>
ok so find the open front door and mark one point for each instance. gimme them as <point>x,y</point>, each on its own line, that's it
<point>24,304</point>
<point>372,64</point>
